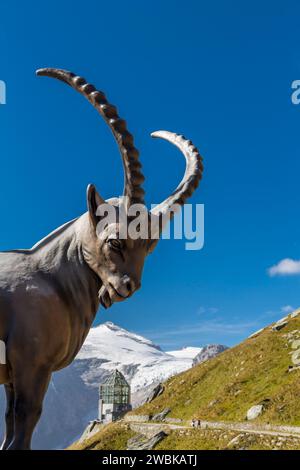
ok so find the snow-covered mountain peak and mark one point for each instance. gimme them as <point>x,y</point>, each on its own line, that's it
<point>119,346</point>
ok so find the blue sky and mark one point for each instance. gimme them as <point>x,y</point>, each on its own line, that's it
<point>219,72</point>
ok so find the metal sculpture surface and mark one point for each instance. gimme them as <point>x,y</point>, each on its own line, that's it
<point>49,294</point>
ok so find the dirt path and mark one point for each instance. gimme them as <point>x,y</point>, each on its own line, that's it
<point>250,428</point>
<point>268,429</point>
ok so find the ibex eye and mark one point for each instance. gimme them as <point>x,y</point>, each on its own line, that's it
<point>114,243</point>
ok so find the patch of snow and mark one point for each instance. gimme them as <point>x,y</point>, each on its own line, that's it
<point>185,353</point>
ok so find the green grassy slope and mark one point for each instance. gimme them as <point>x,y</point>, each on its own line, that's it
<point>225,387</point>
<point>114,436</point>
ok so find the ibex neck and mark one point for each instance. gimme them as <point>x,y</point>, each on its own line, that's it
<point>60,255</point>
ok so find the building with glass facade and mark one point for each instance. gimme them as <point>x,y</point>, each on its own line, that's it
<point>114,397</point>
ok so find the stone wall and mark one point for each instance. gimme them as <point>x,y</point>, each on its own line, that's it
<point>136,418</point>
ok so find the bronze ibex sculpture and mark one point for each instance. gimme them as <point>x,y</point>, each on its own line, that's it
<point>49,294</point>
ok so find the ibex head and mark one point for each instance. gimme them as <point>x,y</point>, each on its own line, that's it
<point>119,260</point>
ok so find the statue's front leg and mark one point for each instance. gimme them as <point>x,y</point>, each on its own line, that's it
<point>30,387</point>
<point>9,416</point>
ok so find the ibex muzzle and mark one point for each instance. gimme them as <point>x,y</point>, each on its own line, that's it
<point>49,294</point>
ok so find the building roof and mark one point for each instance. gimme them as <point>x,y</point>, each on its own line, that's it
<point>116,378</point>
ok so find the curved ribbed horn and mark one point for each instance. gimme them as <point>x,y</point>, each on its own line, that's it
<point>130,155</point>
<point>192,175</point>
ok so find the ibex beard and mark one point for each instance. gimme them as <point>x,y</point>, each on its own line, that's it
<point>58,284</point>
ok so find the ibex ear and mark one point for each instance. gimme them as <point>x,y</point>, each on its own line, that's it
<point>94,200</point>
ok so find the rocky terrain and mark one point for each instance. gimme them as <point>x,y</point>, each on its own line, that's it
<point>207,352</point>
